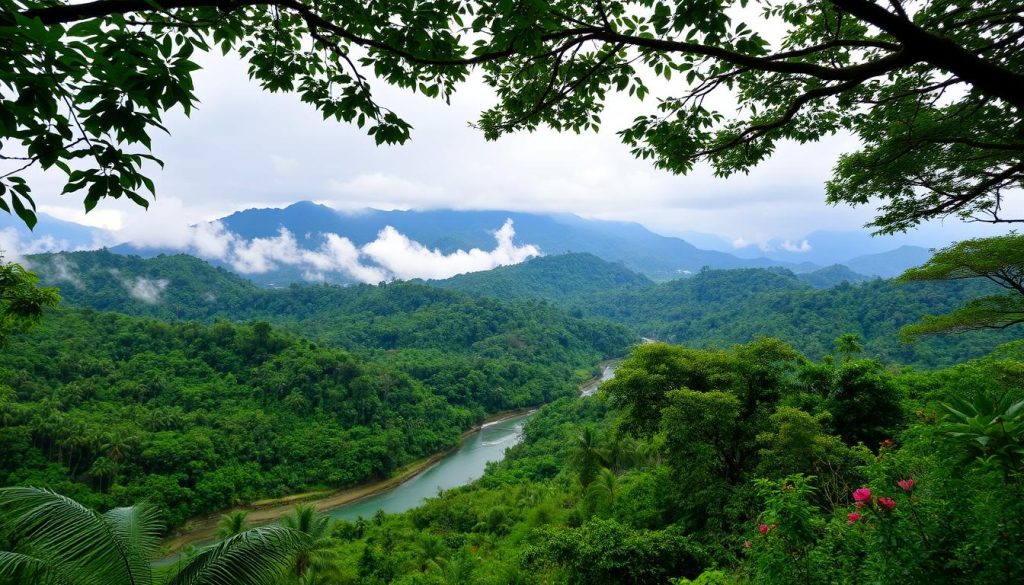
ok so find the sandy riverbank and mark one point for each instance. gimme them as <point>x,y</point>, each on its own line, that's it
<point>270,510</point>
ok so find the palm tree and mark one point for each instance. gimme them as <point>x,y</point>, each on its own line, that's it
<point>57,541</point>
<point>586,455</point>
<point>316,554</point>
<point>603,489</point>
<point>621,453</point>
<point>104,471</point>
<point>848,344</point>
<point>232,523</point>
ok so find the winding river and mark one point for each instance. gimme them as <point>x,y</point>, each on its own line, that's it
<point>460,467</point>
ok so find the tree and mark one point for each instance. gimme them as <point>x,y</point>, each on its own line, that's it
<point>934,91</point>
<point>865,403</point>
<point>848,345</point>
<point>22,301</point>
<point>315,555</point>
<point>57,540</point>
<point>232,523</point>
<point>999,260</point>
<point>587,456</point>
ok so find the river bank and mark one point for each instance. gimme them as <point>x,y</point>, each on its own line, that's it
<point>204,528</point>
<point>607,369</point>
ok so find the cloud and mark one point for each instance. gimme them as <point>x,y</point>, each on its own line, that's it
<point>147,290</point>
<point>391,256</point>
<point>64,270</point>
<point>802,247</point>
<point>382,190</point>
<point>283,164</point>
<point>14,248</point>
<point>405,258</point>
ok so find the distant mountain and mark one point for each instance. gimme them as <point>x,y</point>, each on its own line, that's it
<point>50,235</point>
<point>631,244</point>
<point>889,264</point>
<point>826,248</point>
<point>554,278</point>
<point>164,286</point>
<point>831,276</point>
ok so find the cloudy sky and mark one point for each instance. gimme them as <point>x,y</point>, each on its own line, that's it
<point>246,148</point>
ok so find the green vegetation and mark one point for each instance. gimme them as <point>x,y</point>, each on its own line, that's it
<point>561,278</point>
<point>723,307</point>
<point>751,464</point>
<point>49,539</point>
<point>999,260</point>
<point>22,301</point>
<point>112,409</point>
<point>722,464</point>
<point>929,90</point>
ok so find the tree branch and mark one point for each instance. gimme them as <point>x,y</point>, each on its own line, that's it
<point>941,52</point>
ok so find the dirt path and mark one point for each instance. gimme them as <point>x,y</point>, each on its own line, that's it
<point>266,511</point>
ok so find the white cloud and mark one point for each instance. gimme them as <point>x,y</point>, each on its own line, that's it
<point>64,270</point>
<point>387,191</point>
<point>802,247</point>
<point>405,258</point>
<point>391,256</point>
<point>147,290</point>
<point>14,248</point>
<point>283,164</point>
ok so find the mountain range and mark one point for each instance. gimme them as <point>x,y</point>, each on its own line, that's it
<point>291,238</point>
<point>712,307</point>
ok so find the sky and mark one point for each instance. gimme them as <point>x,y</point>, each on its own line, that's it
<point>244,147</point>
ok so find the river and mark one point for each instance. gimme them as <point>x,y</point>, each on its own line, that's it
<point>460,467</point>
<point>463,466</point>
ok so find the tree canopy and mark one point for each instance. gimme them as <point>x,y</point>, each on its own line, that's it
<point>934,91</point>
<point>999,260</point>
<point>21,299</point>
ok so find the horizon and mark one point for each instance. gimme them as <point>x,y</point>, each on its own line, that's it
<point>336,255</point>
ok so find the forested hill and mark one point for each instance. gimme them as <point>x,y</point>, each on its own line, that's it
<point>723,307</point>
<point>195,417</point>
<point>113,409</point>
<point>556,278</point>
<point>178,286</point>
<point>359,317</point>
<point>531,316</point>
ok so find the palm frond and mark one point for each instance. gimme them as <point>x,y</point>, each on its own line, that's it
<point>72,538</point>
<point>18,569</point>
<point>258,556</point>
<point>136,531</point>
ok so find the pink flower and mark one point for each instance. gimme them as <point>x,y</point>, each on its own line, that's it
<point>859,504</point>
<point>906,484</point>
<point>887,503</point>
<point>852,518</point>
<point>763,529</point>
<point>862,495</point>
<point>887,443</point>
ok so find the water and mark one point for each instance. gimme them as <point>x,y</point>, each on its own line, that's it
<point>607,373</point>
<point>463,466</point>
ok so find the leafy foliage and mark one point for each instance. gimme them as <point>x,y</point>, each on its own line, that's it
<point>197,418</point>
<point>999,260</point>
<point>57,540</point>
<point>929,89</point>
<point>22,301</point>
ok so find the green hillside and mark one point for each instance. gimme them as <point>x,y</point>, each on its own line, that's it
<point>555,278</point>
